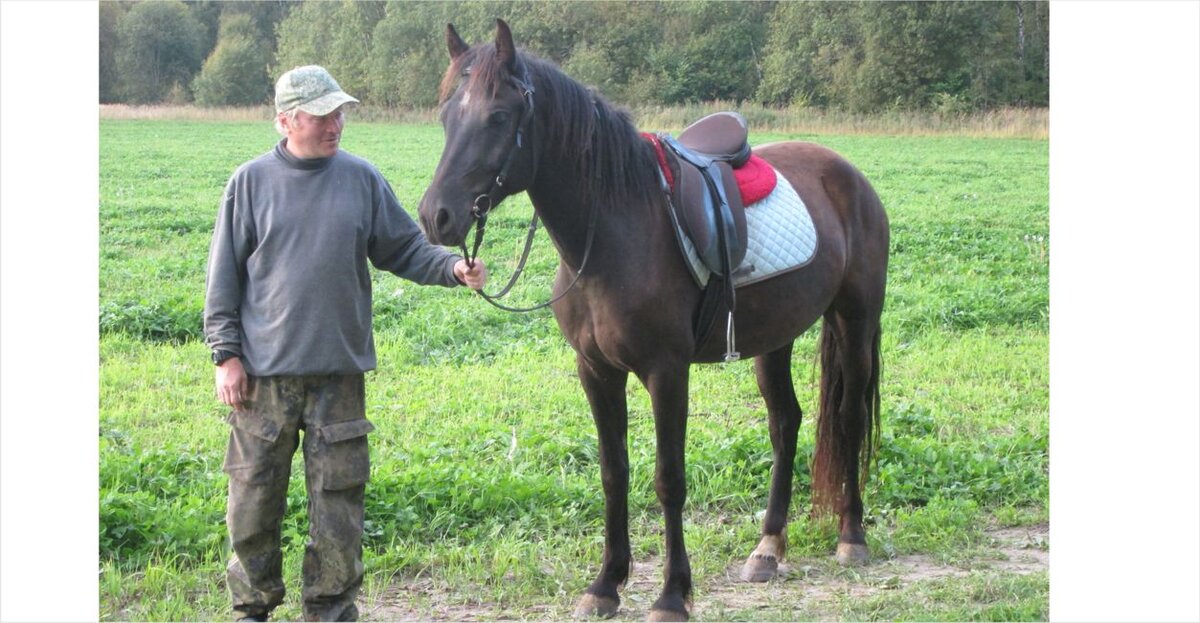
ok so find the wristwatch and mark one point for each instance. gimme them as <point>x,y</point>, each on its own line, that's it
<point>221,356</point>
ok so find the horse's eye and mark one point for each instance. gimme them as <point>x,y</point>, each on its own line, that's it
<point>500,117</point>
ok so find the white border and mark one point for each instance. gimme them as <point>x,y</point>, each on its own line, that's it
<point>49,282</point>
<point>1124,313</point>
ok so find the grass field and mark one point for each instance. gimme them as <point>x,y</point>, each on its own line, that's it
<point>485,495</point>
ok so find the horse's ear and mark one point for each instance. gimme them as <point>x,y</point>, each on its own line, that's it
<point>506,51</point>
<point>454,43</point>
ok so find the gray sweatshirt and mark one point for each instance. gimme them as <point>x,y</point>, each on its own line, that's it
<point>288,285</point>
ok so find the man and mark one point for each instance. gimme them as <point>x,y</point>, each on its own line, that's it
<point>288,317</point>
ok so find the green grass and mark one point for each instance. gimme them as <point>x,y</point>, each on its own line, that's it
<point>485,485</point>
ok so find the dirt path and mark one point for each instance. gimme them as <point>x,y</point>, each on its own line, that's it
<point>1018,551</point>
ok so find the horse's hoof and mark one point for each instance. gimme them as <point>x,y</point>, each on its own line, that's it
<point>852,554</point>
<point>594,606</point>
<point>760,568</point>
<point>657,614</point>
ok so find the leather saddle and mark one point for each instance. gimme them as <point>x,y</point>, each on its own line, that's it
<point>708,205</point>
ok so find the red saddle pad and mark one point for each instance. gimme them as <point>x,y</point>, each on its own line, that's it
<point>756,179</point>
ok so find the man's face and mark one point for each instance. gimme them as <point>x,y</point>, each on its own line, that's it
<point>310,136</point>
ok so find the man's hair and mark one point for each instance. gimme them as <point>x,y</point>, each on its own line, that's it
<point>291,116</point>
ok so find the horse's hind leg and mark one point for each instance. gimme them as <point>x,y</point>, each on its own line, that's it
<point>605,389</point>
<point>774,372</point>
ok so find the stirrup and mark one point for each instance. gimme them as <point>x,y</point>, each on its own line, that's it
<point>730,354</point>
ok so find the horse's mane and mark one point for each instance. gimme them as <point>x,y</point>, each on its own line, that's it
<point>597,139</point>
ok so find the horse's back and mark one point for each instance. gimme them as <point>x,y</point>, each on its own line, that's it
<point>800,161</point>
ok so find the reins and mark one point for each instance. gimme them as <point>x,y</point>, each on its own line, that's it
<point>480,213</point>
<point>587,250</point>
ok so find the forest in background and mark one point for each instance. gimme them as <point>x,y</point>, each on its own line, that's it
<point>862,57</point>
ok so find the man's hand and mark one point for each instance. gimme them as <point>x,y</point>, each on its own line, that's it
<point>474,276</point>
<point>231,383</point>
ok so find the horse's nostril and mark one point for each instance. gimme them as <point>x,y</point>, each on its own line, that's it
<point>442,219</point>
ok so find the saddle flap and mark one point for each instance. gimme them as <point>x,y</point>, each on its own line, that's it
<point>700,216</point>
<point>722,136</point>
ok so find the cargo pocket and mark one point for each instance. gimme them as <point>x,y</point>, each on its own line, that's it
<point>345,459</point>
<point>250,457</point>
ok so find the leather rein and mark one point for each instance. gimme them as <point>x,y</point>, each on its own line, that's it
<point>484,203</point>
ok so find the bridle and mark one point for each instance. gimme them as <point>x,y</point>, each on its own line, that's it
<point>484,203</point>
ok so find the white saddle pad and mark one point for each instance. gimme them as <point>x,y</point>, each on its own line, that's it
<point>780,237</point>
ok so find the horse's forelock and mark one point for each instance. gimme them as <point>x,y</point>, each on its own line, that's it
<point>477,69</point>
<point>450,79</point>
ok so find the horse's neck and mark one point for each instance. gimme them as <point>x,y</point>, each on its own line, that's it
<point>565,211</point>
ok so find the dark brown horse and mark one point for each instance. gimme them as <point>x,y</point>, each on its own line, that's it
<point>593,181</point>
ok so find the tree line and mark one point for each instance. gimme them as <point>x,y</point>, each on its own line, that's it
<point>856,56</point>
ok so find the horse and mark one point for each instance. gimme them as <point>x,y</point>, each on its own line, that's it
<point>625,301</point>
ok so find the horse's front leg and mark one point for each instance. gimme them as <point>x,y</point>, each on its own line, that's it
<point>668,389</point>
<point>605,389</point>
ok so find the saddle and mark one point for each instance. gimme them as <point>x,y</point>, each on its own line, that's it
<point>708,205</point>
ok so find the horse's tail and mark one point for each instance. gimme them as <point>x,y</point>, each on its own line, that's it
<point>847,435</point>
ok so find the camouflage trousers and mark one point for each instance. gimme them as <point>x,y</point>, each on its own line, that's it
<point>330,410</point>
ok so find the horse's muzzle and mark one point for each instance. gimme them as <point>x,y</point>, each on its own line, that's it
<point>443,225</point>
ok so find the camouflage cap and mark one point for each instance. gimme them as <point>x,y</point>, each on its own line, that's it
<point>311,89</point>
